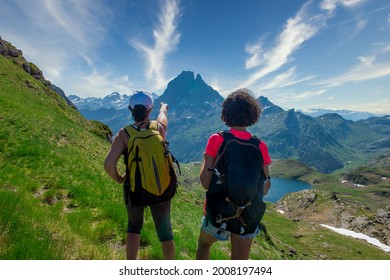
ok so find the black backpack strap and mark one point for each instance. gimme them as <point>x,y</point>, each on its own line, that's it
<point>175,161</point>
<point>227,135</point>
<point>126,184</point>
<point>126,152</point>
<point>138,128</point>
<point>256,141</point>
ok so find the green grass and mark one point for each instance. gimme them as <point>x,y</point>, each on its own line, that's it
<point>58,203</point>
<point>311,241</point>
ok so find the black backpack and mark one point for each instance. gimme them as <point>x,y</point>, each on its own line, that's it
<point>235,195</point>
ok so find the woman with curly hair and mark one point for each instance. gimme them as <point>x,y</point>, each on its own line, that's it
<point>239,111</point>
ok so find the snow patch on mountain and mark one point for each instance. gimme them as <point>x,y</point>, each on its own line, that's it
<point>114,100</point>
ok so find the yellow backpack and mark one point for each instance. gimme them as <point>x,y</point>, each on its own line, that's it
<point>150,174</point>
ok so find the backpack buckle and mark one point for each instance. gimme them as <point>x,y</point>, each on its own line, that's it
<point>221,177</point>
<point>222,228</point>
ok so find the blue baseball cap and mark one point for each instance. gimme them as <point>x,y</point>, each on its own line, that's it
<point>141,98</point>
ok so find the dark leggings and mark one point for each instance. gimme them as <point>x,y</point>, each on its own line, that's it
<point>161,216</point>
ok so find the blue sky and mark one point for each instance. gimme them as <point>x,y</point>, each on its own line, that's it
<point>330,54</point>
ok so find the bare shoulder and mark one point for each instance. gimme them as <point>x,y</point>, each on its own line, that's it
<point>121,138</point>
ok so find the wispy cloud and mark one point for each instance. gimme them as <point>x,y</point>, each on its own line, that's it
<point>81,21</point>
<point>308,94</point>
<point>72,24</point>
<point>286,98</point>
<point>282,80</point>
<point>331,5</point>
<point>366,69</point>
<point>166,38</point>
<point>297,30</point>
<point>100,84</point>
<point>302,27</point>
<point>60,30</point>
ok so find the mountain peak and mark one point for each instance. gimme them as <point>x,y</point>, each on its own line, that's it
<point>114,94</point>
<point>264,102</point>
<point>185,75</point>
<point>190,90</point>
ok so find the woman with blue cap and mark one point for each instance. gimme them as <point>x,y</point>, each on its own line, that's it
<point>141,104</point>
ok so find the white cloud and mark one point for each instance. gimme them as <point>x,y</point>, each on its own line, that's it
<point>386,48</point>
<point>282,80</point>
<point>308,94</point>
<point>297,30</point>
<point>52,34</point>
<point>215,84</point>
<point>255,51</point>
<point>331,5</point>
<point>99,85</point>
<point>166,39</point>
<point>367,69</point>
<point>302,27</point>
<point>72,25</point>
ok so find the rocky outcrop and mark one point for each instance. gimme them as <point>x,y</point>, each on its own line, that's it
<point>326,208</point>
<point>9,51</point>
<point>6,49</point>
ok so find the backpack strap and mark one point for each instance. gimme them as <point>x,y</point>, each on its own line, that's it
<point>126,152</point>
<point>227,135</point>
<point>153,125</point>
<point>126,184</point>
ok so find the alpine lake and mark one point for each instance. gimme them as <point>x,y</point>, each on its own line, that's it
<point>280,187</point>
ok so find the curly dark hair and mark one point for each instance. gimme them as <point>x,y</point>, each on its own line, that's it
<point>240,108</point>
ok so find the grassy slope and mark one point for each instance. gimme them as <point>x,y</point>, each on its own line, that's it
<point>58,203</point>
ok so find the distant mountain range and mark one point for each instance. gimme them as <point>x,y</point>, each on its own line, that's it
<point>346,114</point>
<point>114,100</point>
<point>121,101</point>
<point>327,142</point>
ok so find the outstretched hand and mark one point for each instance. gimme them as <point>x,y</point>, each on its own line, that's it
<point>163,106</point>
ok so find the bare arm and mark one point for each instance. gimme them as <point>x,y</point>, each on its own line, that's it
<point>267,184</point>
<point>163,119</point>
<point>110,163</point>
<point>205,174</point>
